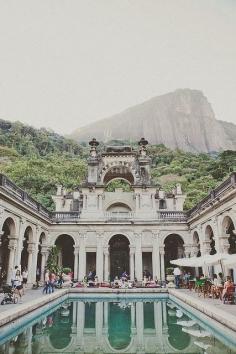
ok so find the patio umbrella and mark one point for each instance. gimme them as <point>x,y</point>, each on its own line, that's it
<point>189,323</point>
<point>202,345</point>
<point>196,332</point>
<point>207,260</point>
<point>187,262</point>
<point>214,259</point>
<point>230,261</point>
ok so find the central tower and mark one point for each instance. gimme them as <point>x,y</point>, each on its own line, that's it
<point>119,162</point>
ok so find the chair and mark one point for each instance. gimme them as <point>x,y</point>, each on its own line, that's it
<point>229,295</point>
<point>199,284</point>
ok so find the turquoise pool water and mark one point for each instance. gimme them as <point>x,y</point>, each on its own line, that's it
<point>115,325</point>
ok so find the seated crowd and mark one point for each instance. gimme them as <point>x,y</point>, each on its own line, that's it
<point>215,286</point>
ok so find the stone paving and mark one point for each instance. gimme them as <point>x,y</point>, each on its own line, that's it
<point>216,303</point>
<point>213,308</point>
<point>29,295</point>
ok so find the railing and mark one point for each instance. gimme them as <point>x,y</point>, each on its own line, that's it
<point>119,215</point>
<point>61,216</point>
<point>177,216</point>
<point>18,193</point>
<point>215,194</point>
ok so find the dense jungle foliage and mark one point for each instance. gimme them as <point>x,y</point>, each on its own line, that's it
<point>38,159</point>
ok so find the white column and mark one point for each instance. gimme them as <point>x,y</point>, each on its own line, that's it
<point>98,324</point>
<point>158,318</point>
<point>138,258</point>
<point>82,258</point>
<point>105,304</point>
<point>22,226</point>
<point>137,201</point>
<point>162,253</point>
<point>153,201</point>
<point>106,270</point>
<point>133,329</point>
<point>32,262</point>
<point>100,201</point>
<point>164,312</point>
<point>76,255</point>
<point>99,258</point>
<point>139,326</point>
<point>156,257</point>
<point>80,324</point>
<point>43,262</point>
<point>12,249</point>
<point>131,262</point>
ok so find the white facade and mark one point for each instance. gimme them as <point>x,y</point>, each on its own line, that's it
<point>91,224</point>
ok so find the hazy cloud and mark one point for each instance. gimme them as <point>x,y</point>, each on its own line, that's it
<point>66,63</point>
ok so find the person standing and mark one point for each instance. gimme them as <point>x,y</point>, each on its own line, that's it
<point>37,276</point>
<point>25,278</point>
<point>46,282</point>
<point>52,280</point>
<point>177,273</point>
<point>18,284</point>
<point>13,275</point>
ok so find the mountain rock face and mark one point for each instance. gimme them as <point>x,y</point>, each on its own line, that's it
<point>181,119</point>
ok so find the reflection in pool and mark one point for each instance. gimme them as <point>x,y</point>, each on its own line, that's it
<point>111,326</point>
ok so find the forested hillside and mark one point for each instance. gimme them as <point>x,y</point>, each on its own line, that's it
<point>37,160</point>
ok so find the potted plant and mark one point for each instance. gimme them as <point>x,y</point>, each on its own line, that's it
<point>66,275</point>
<point>170,277</point>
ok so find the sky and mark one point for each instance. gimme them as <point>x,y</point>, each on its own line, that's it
<point>66,63</point>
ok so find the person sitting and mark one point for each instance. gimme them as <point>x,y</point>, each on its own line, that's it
<point>90,275</point>
<point>124,275</point>
<point>116,282</point>
<point>220,278</point>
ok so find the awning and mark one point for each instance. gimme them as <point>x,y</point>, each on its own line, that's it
<point>187,262</point>
<point>231,261</point>
<point>208,260</point>
<point>196,332</point>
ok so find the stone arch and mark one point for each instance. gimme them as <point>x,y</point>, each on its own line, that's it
<point>115,206</point>
<point>66,244</point>
<point>11,224</point>
<point>117,171</point>
<point>117,179</point>
<point>173,247</point>
<point>121,232</point>
<point>119,327</point>
<point>55,236</point>
<point>210,239</point>
<point>228,229</point>
<point>119,246</point>
<point>8,231</point>
<point>61,324</point>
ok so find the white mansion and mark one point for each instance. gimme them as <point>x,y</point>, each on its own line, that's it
<point>111,232</point>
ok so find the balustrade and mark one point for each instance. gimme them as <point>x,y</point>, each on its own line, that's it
<point>64,216</point>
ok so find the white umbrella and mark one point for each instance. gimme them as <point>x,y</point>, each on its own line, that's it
<point>230,261</point>
<point>186,323</point>
<point>215,258</point>
<point>202,345</point>
<point>187,262</point>
<point>208,259</point>
<point>196,332</point>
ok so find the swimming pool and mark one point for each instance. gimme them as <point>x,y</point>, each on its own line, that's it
<point>115,324</point>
